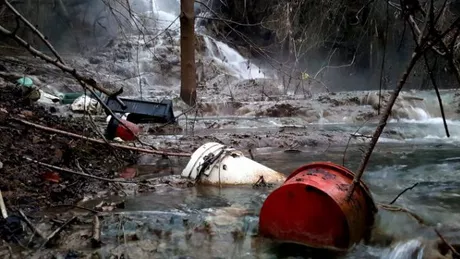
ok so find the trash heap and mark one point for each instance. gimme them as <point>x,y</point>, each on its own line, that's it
<point>26,184</point>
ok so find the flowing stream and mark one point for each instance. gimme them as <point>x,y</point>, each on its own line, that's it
<point>180,221</point>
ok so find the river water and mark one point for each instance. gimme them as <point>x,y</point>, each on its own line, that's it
<point>208,222</point>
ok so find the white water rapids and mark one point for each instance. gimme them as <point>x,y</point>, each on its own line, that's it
<point>411,249</point>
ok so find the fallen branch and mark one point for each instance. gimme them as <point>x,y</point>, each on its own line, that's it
<point>401,193</point>
<point>142,150</point>
<point>454,251</point>
<point>76,207</point>
<point>96,238</point>
<point>382,123</point>
<point>55,232</point>
<point>400,209</point>
<point>70,171</point>
<point>3,207</point>
<point>30,225</point>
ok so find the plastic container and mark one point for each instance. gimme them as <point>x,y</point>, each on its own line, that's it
<point>69,98</point>
<point>216,164</point>
<point>127,131</point>
<point>311,208</point>
<point>25,81</point>
<point>144,111</point>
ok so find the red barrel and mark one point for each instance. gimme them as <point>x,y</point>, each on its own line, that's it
<point>311,208</point>
<point>125,130</point>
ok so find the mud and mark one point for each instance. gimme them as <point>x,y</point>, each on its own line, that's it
<point>29,186</point>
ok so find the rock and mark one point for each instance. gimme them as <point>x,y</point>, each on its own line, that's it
<point>3,115</point>
<point>436,249</point>
<point>122,55</point>
<point>95,60</point>
<point>125,71</point>
<point>27,113</point>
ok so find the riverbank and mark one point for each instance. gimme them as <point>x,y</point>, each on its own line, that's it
<point>30,186</point>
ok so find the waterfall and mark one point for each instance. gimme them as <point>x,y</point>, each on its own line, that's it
<point>165,13</point>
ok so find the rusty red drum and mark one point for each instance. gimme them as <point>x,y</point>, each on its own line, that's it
<point>311,208</point>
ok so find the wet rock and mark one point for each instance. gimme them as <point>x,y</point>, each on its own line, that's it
<point>280,110</point>
<point>123,70</point>
<point>122,55</point>
<point>3,115</point>
<point>95,60</point>
<point>27,113</point>
<point>329,100</point>
<point>371,99</point>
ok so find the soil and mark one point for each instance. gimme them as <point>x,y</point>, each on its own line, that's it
<point>32,187</point>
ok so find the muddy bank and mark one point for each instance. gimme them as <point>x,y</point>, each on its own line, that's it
<point>30,186</point>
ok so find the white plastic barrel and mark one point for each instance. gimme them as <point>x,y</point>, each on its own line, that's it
<point>220,165</point>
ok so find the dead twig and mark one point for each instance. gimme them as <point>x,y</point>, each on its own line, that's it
<point>65,170</point>
<point>401,193</point>
<point>438,95</point>
<point>55,232</point>
<point>3,207</point>
<point>34,29</point>
<point>382,123</point>
<point>142,150</point>
<point>423,43</point>
<point>250,153</point>
<point>454,251</point>
<point>31,225</point>
<point>400,209</point>
<point>96,238</point>
<point>349,140</point>
<point>75,206</point>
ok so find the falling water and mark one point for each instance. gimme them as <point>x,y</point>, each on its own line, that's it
<point>226,56</point>
<point>165,14</point>
<point>411,249</point>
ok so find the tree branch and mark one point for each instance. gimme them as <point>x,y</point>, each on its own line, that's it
<point>87,81</point>
<point>34,29</point>
<point>401,193</point>
<point>423,43</point>
<point>149,151</point>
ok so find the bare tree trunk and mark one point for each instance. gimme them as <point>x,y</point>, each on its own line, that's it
<point>187,55</point>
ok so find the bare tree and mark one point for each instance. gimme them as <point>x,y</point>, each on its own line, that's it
<point>187,55</point>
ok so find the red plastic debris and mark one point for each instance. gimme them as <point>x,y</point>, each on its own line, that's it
<point>311,208</point>
<point>124,129</point>
<point>128,173</point>
<point>51,177</point>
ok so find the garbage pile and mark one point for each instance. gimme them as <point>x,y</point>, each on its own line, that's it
<point>27,184</point>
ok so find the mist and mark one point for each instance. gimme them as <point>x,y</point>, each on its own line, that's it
<point>74,26</point>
